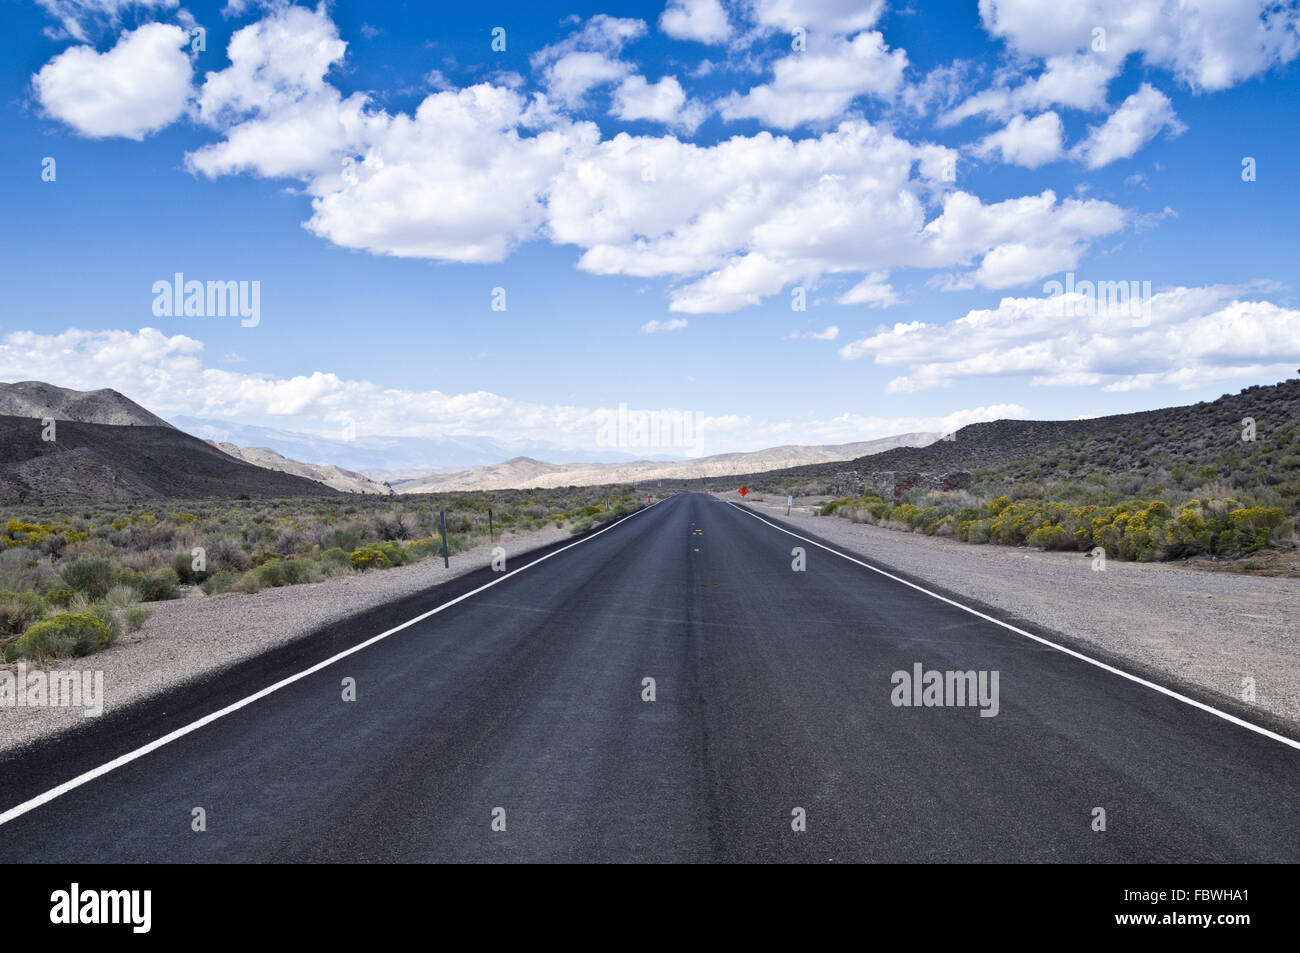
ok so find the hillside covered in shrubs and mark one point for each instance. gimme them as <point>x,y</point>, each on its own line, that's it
<point>73,579</point>
<point>1219,479</point>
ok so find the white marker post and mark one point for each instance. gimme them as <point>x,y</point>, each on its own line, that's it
<point>789,502</point>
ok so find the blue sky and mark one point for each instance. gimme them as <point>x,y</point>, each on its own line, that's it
<point>917,173</point>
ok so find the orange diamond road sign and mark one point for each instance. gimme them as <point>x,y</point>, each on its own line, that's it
<point>744,491</point>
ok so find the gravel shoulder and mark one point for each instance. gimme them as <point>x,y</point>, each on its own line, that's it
<point>198,636</point>
<point>1200,631</point>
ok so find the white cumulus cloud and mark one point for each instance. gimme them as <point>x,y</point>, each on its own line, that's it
<point>1137,121</point>
<point>587,58</point>
<point>664,101</point>
<point>1069,58</point>
<point>1207,44</point>
<point>1025,142</point>
<point>704,21</point>
<point>819,84</point>
<point>1107,337</point>
<point>475,172</point>
<point>139,86</point>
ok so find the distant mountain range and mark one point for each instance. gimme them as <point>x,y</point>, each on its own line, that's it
<point>383,458</point>
<point>527,472</point>
<point>110,448</point>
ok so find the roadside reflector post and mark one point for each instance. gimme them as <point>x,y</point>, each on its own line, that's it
<point>442,521</point>
<point>490,537</point>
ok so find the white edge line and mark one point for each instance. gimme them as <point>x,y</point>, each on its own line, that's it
<point>181,732</point>
<point>1037,638</point>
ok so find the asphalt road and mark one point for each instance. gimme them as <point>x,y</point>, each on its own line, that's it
<point>772,692</point>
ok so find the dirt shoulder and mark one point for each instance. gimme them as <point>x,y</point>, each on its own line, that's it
<point>1203,630</point>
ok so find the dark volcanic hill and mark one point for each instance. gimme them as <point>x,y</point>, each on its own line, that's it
<point>1190,435</point>
<point>104,406</point>
<point>92,462</point>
